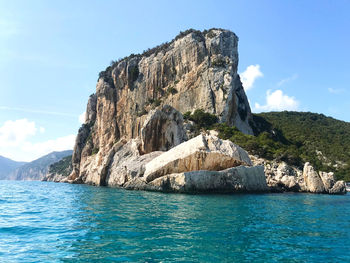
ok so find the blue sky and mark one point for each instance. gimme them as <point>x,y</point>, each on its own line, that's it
<point>293,55</point>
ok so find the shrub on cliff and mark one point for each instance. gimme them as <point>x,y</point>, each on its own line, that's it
<point>134,73</point>
<point>201,119</point>
<point>63,167</point>
<point>322,141</point>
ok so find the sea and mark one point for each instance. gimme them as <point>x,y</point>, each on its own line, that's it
<point>56,222</point>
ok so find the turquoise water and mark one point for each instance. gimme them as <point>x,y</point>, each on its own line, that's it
<point>48,222</point>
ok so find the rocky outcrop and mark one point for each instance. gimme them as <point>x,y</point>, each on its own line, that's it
<point>55,177</point>
<point>313,181</point>
<point>202,164</point>
<point>197,70</point>
<point>281,177</point>
<point>135,137</point>
<point>59,171</point>
<point>233,180</point>
<point>204,152</point>
<point>322,182</point>
<point>128,164</point>
<point>162,130</point>
<point>338,188</point>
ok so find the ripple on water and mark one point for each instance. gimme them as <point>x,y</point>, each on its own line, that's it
<point>48,222</point>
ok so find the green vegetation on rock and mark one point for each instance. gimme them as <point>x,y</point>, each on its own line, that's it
<point>201,119</point>
<point>292,137</point>
<point>322,141</point>
<point>63,167</point>
<point>134,73</point>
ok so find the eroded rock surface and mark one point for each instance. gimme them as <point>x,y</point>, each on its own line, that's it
<point>162,130</point>
<point>202,164</point>
<point>128,163</point>
<point>197,70</point>
<point>134,135</point>
<point>281,177</point>
<point>232,180</point>
<point>204,152</point>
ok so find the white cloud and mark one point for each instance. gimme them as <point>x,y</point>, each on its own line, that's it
<point>249,76</point>
<point>277,101</point>
<point>16,141</point>
<point>42,148</point>
<point>335,91</point>
<point>13,133</point>
<point>284,81</point>
<point>82,118</point>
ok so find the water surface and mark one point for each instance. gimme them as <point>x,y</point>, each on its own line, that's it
<point>49,222</point>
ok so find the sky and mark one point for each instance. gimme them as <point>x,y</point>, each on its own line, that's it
<point>293,55</point>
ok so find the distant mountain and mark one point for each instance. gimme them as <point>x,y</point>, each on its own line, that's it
<point>7,166</point>
<point>37,169</point>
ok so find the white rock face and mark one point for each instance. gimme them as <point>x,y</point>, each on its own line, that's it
<point>204,152</point>
<point>313,181</point>
<point>54,177</point>
<point>202,164</point>
<point>128,164</point>
<point>327,179</point>
<point>281,177</point>
<point>197,70</point>
<point>338,188</point>
<point>162,130</point>
<point>236,179</point>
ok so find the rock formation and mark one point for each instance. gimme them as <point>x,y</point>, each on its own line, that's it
<point>231,180</point>
<point>135,136</point>
<point>281,177</point>
<point>197,70</point>
<point>202,164</point>
<point>204,152</point>
<point>59,171</point>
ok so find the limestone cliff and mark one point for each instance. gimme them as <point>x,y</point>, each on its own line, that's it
<point>196,70</point>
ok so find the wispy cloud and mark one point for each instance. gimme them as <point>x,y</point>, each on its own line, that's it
<point>277,101</point>
<point>284,81</point>
<point>249,76</point>
<point>336,91</point>
<point>37,111</point>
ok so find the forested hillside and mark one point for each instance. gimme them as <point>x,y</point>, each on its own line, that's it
<point>298,137</point>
